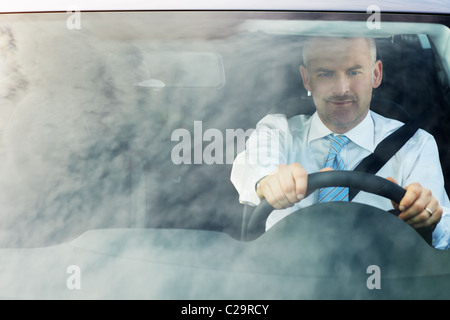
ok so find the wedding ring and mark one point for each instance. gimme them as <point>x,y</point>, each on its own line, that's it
<point>429,211</point>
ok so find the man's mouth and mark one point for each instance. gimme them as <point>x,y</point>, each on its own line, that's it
<point>341,101</point>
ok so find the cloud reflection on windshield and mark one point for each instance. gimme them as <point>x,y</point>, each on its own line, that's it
<point>82,150</point>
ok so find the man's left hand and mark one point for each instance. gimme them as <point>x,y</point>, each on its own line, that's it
<point>418,207</point>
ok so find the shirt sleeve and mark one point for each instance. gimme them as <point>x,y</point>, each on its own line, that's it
<point>441,235</point>
<point>263,154</point>
<point>426,169</point>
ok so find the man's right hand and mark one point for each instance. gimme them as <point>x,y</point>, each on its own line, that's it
<point>284,187</point>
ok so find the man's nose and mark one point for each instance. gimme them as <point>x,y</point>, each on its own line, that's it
<point>341,85</point>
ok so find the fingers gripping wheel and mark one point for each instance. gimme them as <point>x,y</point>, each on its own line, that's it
<point>351,179</point>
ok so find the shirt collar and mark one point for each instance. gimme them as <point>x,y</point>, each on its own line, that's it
<point>362,134</point>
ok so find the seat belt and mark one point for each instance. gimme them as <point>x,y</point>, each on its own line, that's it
<point>385,150</point>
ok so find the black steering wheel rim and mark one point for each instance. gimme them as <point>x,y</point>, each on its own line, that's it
<point>352,179</point>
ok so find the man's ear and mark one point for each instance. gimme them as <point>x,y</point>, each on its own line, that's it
<point>377,74</point>
<point>305,77</point>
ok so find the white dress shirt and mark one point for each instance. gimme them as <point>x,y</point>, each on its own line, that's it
<point>278,140</point>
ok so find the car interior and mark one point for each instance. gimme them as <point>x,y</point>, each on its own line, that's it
<point>412,86</point>
<point>133,112</point>
<point>117,139</point>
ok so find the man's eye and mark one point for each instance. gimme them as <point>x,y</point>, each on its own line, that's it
<point>324,75</point>
<point>354,73</point>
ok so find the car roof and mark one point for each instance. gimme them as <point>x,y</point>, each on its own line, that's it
<point>415,6</point>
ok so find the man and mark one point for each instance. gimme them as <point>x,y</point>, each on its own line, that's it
<point>340,73</point>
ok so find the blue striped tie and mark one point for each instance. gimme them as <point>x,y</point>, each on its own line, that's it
<point>335,162</point>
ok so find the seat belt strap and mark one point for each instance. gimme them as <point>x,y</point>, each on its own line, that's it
<point>385,150</point>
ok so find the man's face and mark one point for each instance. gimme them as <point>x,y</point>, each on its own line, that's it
<point>340,74</point>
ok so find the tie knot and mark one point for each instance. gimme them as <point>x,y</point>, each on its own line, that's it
<point>337,142</point>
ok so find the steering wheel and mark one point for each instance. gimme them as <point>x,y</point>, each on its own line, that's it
<point>352,179</point>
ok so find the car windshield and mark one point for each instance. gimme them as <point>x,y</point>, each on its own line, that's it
<point>134,119</point>
<point>122,135</point>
